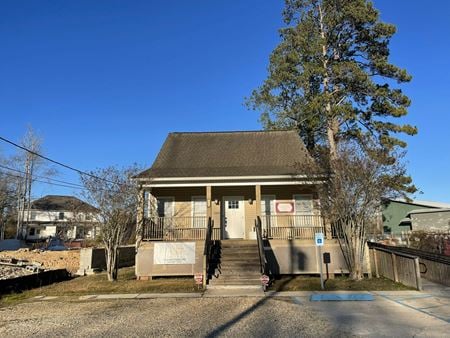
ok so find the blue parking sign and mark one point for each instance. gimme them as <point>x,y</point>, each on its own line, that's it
<point>319,238</point>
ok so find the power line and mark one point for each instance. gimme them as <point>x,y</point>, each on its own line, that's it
<point>57,162</point>
<point>44,177</point>
<point>65,183</point>
<point>45,182</point>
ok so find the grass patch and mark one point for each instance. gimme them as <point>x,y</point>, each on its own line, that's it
<point>307,283</point>
<point>98,284</point>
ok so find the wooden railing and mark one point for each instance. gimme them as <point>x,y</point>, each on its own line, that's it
<point>177,228</point>
<point>292,226</point>
<point>397,266</point>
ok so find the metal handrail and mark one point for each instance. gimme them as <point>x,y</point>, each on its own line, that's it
<point>207,250</point>
<point>208,236</point>
<point>262,255</point>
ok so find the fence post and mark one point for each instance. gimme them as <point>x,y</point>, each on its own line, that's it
<point>418,278</point>
<point>394,267</point>
<point>367,259</point>
<point>375,260</point>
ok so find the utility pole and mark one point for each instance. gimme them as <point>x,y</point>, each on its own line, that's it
<point>22,196</point>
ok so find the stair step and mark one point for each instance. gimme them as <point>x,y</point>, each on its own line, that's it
<point>238,282</point>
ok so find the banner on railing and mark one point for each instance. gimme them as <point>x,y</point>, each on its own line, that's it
<point>174,253</point>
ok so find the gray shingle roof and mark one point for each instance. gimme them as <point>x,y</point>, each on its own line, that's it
<point>61,203</point>
<point>244,153</point>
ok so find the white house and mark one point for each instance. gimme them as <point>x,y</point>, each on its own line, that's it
<point>64,216</point>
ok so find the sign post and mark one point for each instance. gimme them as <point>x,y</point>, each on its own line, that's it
<point>319,239</point>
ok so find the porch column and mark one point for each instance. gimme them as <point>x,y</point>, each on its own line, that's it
<point>258,200</point>
<point>140,216</point>
<point>208,202</point>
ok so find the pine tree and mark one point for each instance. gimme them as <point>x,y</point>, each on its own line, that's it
<point>330,77</point>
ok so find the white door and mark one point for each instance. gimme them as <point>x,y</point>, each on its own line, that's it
<point>233,217</point>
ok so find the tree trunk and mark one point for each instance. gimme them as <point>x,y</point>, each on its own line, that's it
<point>111,263</point>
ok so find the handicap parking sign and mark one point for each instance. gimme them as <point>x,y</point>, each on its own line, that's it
<point>319,238</point>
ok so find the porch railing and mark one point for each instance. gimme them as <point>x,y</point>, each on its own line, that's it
<point>292,226</point>
<point>177,228</point>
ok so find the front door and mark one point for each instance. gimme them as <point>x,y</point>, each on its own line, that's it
<point>233,217</point>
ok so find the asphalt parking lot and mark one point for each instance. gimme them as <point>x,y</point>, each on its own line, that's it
<point>401,314</point>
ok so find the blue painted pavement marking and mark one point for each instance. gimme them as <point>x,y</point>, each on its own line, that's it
<point>341,297</point>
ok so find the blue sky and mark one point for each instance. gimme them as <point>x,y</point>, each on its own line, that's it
<point>104,81</point>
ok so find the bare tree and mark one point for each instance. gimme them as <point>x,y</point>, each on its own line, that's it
<point>112,192</point>
<point>351,195</point>
<point>7,201</point>
<point>30,165</point>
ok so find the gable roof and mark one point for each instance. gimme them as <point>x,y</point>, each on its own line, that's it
<point>61,203</point>
<point>242,153</point>
<point>428,204</point>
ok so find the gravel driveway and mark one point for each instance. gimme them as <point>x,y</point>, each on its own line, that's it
<point>231,317</point>
<point>262,317</point>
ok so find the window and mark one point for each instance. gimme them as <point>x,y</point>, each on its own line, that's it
<point>33,215</point>
<point>166,206</point>
<point>233,204</point>
<point>303,204</point>
<point>199,211</point>
<point>61,216</point>
<point>31,232</point>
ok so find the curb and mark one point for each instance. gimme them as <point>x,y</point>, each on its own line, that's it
<point>223,294</point>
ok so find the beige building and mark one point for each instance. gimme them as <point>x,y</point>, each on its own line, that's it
<point>233,179</point>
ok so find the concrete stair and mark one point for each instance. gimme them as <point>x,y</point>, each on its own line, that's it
<point>238,265</point>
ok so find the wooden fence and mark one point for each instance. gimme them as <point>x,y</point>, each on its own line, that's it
<point>433,266</point>
<point>397,266</point>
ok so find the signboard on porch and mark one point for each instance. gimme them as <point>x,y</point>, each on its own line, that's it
<point>284,207</point>
<point>174,253</point>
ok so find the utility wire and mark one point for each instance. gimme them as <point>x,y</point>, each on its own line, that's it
<point>57,162</point>
<point>64,183</point>
<point>46,182</point>
<point>44,177</point>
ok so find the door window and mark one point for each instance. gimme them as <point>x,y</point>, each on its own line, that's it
<point>233,204</point>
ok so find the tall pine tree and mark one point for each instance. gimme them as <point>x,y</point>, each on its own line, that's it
<point>330,77</point>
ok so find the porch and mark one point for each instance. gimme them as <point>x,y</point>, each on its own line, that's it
<point>195,228</point>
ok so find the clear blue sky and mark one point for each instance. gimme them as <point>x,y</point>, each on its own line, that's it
<point>105,81</point>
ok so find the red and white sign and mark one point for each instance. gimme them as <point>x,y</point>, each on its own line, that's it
<point>284,207</point>
<point>198,277</point>
<point>265,280</point>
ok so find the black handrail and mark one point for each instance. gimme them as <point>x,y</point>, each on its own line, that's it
<point>208,247</point>
<point>208,237</point>
<point>262,255</point>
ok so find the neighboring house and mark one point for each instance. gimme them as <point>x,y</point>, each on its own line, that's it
<point>395,213</point>
<point>432,220</point>
<point>232,178</point>
<point>63,216</point>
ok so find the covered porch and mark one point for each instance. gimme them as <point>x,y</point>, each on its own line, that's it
<point>288,210</point>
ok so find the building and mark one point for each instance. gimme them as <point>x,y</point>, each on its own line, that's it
<point>60,216</point>
<point>431,220</point>
<point>395,213</point>
<point>233,179</point>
